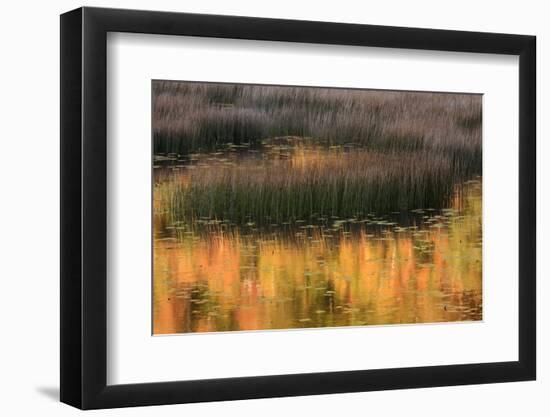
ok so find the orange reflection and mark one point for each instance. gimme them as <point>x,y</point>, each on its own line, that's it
<point>223,280</point>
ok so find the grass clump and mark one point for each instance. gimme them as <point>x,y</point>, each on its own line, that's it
<point>348,151</point>
<point>332,184</point>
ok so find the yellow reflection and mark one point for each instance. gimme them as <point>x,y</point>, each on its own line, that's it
<point>219,280</point>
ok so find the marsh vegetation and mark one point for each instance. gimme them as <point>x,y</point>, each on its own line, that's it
<point>282,207</point>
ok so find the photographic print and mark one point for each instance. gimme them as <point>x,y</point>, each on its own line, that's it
<point>282,207</point>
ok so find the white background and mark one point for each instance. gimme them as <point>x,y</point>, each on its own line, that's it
<point>134,356</point>
<point>29,213</point>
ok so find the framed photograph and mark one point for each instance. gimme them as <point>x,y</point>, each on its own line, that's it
<point>257,208</point>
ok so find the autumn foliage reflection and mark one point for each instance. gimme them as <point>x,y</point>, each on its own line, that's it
<point>429,271</point>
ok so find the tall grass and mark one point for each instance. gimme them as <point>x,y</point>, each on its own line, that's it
<point>408,150</point>
<point>331,184</point>
<point>191,117</point>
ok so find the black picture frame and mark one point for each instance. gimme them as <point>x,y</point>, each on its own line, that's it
<point>84,207</point>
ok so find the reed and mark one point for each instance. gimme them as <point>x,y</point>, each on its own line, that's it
<point>192,117</point>
<point>405,150</point>
<point>325,184</point>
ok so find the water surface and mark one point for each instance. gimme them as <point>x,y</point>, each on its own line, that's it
<point>409,266</point>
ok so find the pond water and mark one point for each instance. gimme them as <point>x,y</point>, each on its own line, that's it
<point>408,266</point>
